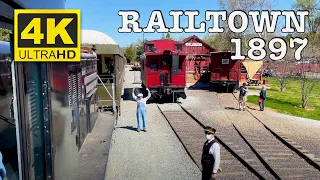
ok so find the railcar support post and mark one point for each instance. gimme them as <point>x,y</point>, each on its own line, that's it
<point>172,96</point>
<point>113,96</point>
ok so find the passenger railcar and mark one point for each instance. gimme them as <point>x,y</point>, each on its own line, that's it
<point>225,72</point>
<point>110,69</point>
<point>52,108</point>
<point>45,109</point>
<point>163,69</point>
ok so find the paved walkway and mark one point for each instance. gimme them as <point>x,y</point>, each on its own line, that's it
<point>94,152</point>
<point>156,154</point>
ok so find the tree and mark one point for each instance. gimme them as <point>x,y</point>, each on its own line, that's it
<point>168,36</point>
<point>307,76</point>
<point>140,49</point>
<point>245,6</point>
<point>284,70</point>
<point>313,19</point>
<point>4,34</point>
<point>218,41</point>
<point>130,53</point>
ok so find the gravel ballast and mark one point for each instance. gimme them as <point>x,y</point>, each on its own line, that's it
<point>156,154</point>
<point>207,105</point>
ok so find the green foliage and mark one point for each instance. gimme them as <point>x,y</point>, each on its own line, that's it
<point>130,53</point>
<point>140,49</point>
<point>313,19</point>
<point>289,102</point>
<point>287,38</point>
<point>4,34</point>
<point>168,36</point>
<point>217,41</point>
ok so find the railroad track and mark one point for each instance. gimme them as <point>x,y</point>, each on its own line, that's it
<point>281,159</point>
<point>190,132</point>
<point>278,160</point>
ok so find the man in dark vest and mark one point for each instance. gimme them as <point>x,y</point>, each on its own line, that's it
<point>210,155</point>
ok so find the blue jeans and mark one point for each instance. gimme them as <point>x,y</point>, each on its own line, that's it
<point>262,105</point>
<point>141,113</point>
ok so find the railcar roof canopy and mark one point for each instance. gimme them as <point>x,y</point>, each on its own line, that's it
<point>96,37</point>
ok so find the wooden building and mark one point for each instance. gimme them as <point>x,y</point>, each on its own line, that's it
<point>198,58</point>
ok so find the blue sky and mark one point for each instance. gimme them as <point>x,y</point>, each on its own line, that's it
<point>102,15</point>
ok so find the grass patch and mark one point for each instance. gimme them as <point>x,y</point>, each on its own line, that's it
<point>289,102</point>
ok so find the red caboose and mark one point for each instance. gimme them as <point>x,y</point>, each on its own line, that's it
<point>163,70</point>
<point>225,72</point>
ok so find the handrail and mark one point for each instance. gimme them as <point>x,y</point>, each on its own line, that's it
<point>105,87</point>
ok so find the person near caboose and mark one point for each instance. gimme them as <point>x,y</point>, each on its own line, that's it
<point>210,155</point>
<point>141,109</point>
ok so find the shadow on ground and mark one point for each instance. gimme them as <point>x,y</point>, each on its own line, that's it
<point>252,108</point>
<point>231,108</point>
<point>201,86</point>
<point>129,128</point>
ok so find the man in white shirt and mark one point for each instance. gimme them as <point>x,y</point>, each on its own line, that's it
<point>141,108</point>
<point>210,156</point>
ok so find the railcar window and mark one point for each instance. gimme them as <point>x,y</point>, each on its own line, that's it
<point>150,46</point>
<point>166,60</point>
<point>154,65</point>
<point>225,61</point>
<point>178,47</point>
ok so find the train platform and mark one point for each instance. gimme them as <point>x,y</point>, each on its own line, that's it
<point>155,154</point>
<point>95,150</point>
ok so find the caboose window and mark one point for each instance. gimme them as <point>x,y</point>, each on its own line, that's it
<point>154,65</point>
<point>178,47</point>
<point>150,47</point>
<point>225,61</point>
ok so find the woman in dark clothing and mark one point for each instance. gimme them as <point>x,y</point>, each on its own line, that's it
<point>262,98</point>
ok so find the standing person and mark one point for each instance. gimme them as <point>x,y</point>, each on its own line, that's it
<point>210,155</point>
<point>141,108</point>
<point>263,97</point>
<point>243,95</point>
<point>2,169</point>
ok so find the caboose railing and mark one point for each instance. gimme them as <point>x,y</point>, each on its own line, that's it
<point>106,89</point>
<point>165,78</point>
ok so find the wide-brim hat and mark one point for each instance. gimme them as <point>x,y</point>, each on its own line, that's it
<point>140,95</point>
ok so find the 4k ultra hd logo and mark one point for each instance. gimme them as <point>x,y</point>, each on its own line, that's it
<point>47,35</point>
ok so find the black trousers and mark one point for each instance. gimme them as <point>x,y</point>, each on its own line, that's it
<point>206,173</point>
